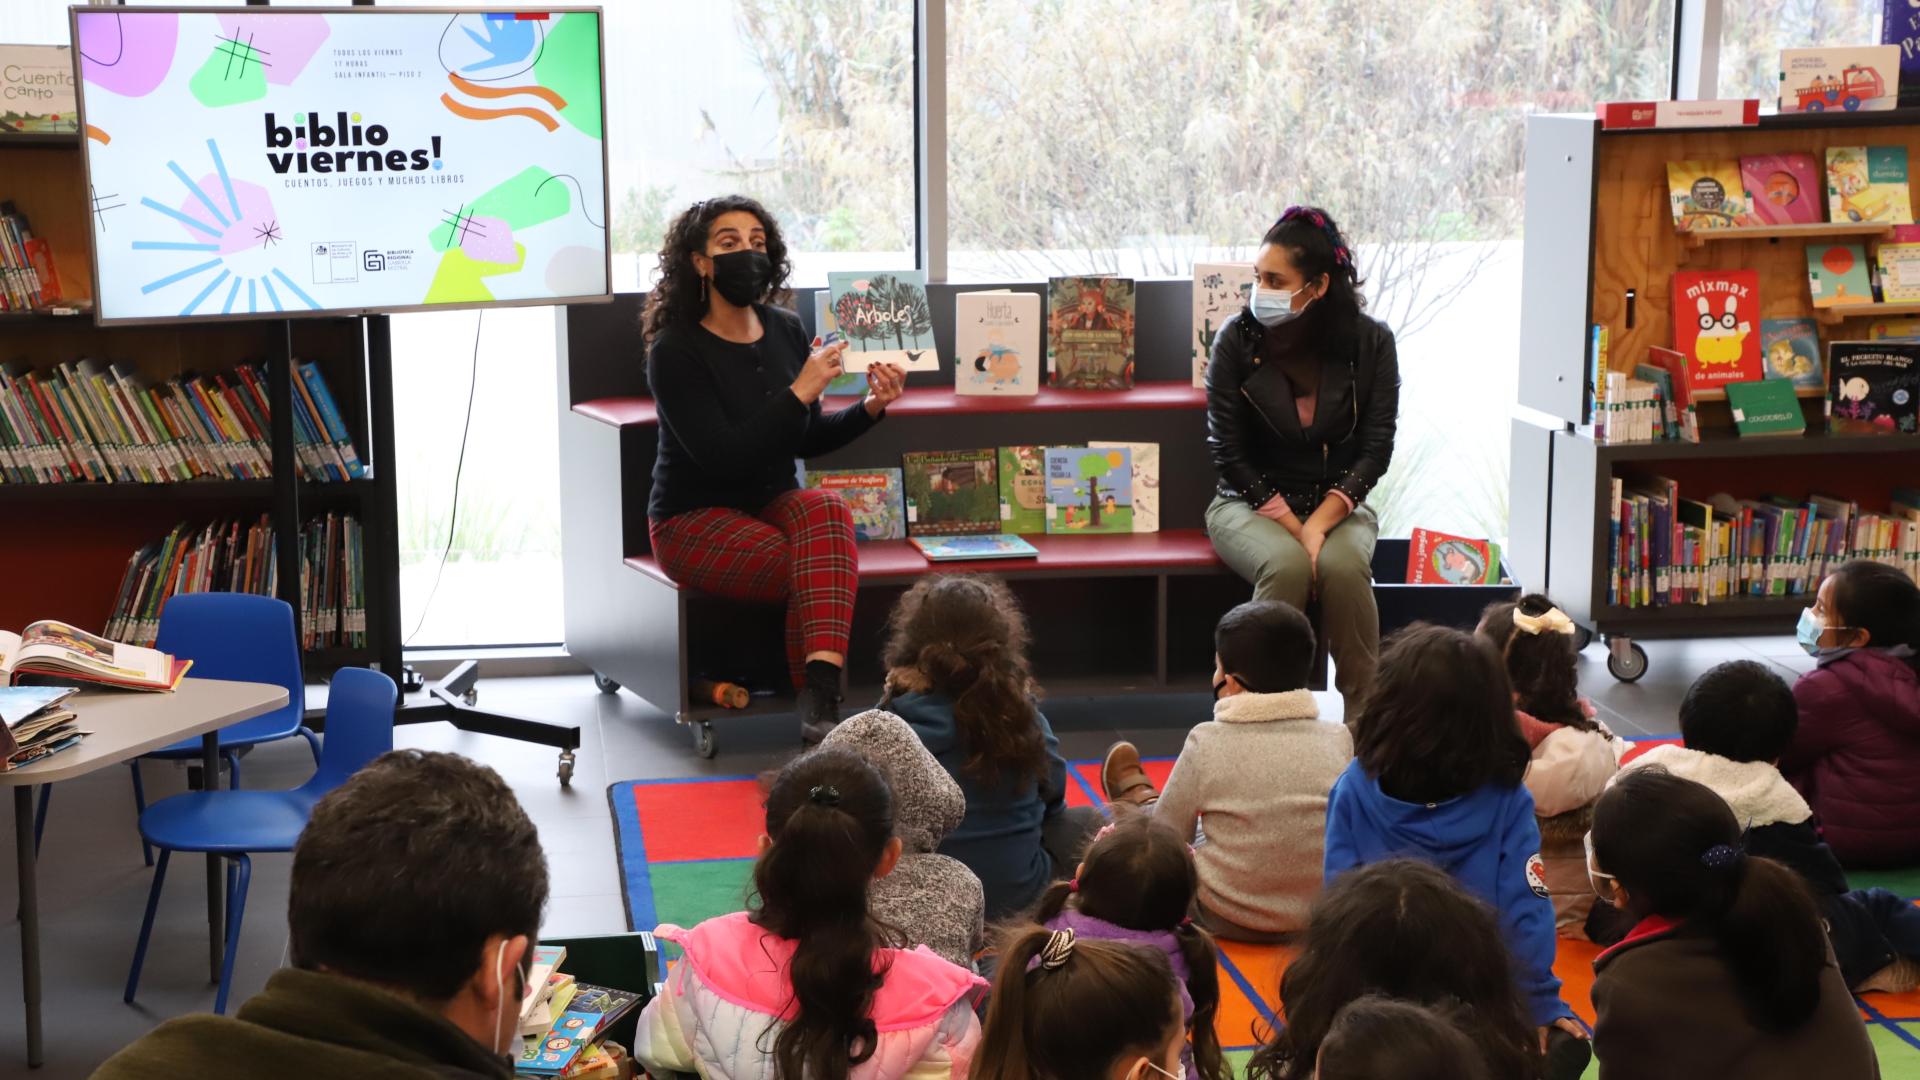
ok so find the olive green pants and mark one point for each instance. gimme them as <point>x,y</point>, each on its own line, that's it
<point>1263,552</point>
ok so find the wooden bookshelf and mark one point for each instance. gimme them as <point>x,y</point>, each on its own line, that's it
<point>1840,313</point>
<point>1694,239</point>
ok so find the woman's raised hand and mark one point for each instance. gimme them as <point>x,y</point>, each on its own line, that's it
<point>885,384</point>
<point>822,367</point>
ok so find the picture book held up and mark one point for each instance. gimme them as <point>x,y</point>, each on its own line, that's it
<point>886,319</point>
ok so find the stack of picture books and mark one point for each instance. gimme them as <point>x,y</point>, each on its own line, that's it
<point>1666,549</point>
<point>35,724</point>
<point>232,555</point>
<point>90,421</point>
<point>54,653</point>
<point>564,1023</point>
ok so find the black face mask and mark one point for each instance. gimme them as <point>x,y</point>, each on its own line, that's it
<point>742,276</point>
<point>1217,687</point>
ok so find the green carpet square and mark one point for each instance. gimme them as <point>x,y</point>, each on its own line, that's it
<point>689,893</point>
<point>1899,882</point>
<point>1899,1059</point>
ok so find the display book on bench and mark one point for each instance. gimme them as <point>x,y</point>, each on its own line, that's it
<point>54,653</point>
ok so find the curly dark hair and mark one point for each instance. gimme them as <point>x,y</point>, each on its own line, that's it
<point>1328,327</point>
<point>965,635</point>
<point>1544,667</point>
<point>1438,722</point>
<point>677,296</point>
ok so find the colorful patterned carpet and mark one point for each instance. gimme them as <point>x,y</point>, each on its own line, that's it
<point>686,851</point>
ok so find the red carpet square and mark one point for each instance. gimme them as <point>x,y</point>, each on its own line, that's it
<point>700,819</point>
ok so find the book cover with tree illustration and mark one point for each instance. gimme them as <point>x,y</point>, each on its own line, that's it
<point>1089,491</point>
<point>886,318</point>
<point>952,492</point>
<point>1145,461</point>
<point>1220,290</point>
<point>1090,332</point>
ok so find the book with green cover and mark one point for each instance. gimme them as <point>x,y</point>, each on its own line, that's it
<point>952,492</point>
<point>1766,407</point>
<point>1023,490</point>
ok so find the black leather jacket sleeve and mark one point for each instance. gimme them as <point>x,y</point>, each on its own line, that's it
<point>1227,436</point>
<point>1379,422</point>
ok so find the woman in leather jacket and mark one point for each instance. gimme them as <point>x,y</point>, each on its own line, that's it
<point>1303,395</point>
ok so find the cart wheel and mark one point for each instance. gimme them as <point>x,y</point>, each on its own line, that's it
<point>604,684</point>
<point>566,768</point>
<point>1630,666</point>
<point>703,740</point>
<point>471,697</point>
<point>1582,637</point>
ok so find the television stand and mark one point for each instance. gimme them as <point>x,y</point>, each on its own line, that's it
<point>455,699</point>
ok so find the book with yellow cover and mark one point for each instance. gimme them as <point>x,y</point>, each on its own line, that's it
<point>1868,183</point>
<point>1706,194</point>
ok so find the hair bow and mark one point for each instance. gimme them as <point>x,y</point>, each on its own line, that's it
<point>1722,857</point>
<point>1552,621</point>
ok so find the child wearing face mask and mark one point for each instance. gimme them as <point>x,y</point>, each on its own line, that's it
<point>1857,750</point>
<point>1250,787</point>
<point>1067,1007</point>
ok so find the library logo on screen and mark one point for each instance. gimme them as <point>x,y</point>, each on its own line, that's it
<point>312,145</point>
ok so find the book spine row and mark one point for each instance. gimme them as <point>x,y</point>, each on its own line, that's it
<point>93,422</point>
<point>1630,410</point>
<point>232,555</point>
<point>26,266</point>
<point>1664,550</point>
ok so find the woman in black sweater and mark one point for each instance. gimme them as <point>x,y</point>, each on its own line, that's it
<point>738,388</point>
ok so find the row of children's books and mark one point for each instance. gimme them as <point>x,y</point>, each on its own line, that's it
<point>1086,332</point>
<point>27,276</point>
<point>564,1023</point>
<point>1854,183</point>
<point>232,555</point>
<point>1665,549</point>
<point>1096,488</point>
<point>92,421</point>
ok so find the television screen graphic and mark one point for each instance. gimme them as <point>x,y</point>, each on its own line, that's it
<point>280,162</point>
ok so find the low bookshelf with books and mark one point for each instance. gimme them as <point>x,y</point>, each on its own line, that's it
<point>1737,389</point>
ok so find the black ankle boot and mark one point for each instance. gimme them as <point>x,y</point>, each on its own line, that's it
<point>819,714</point>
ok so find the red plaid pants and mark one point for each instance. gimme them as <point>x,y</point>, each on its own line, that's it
<point>799,550</point>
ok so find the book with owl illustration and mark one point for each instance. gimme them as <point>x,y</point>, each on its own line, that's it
<point>1791,349</point>
<point>886,318</point>
<point>951,492</point>
<point>1714,317</point>
<point>1706,194</point>
<point>1837,274</point>
<point>1090,332</point>
<point>1782,189</point>
<point>996,343</point>
<point>1220,290</point>
<point>1089,491</point>
<point>1868,183</point>
<point>1873,387</point>
<point>1146,482</point>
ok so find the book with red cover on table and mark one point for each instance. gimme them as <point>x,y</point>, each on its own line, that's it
<point>54,652</point>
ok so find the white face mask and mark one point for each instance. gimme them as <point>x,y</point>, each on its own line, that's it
<point>1181,1075</point>
<point>1271,306</point>
<point>1595,876</point>
<point>500,1007</point>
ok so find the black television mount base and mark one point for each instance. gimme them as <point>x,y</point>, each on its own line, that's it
<point>455,699</point>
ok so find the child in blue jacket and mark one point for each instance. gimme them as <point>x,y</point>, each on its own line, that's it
<point>1437,776</point>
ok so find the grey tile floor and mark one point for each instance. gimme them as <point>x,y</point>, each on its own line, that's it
<point>93,885</point>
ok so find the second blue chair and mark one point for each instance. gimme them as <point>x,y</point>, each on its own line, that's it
<point>237,824</point>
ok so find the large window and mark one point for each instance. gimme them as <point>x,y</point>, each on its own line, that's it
<point>1752,33</point>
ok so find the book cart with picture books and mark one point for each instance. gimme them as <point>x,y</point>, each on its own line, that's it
<point>1109,613</point>
<point>1601,251</point>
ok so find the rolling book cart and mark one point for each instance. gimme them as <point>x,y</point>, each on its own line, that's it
<point>1601,249</point>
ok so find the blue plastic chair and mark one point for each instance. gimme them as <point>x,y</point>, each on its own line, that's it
<point>237,824</point>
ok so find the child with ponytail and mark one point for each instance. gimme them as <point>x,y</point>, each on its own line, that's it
<point>1067,1007</point>
<point>956,660</point>
<point>1136,886</point>
<point>805,986</point>
<point>1726,971</point>
<point>1573,754</point>
<point>1857,749</point>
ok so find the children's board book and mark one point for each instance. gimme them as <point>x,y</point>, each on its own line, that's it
<point>996,343</point>
<point>1437,558</point>
<point>1706,194</point>
<point>1090,332</point>
<point>1146,482</point>
<point>1899,273</point>
<point>1900,27</point>
<point>1023,489</point>
<point>1840,79</point>
<point>1766,407</point>
<point>1791,349</point>
<point>874,496</point>
<point>1837,274</point>
<point>1868,183</point>
<point>54,653</point>
<point>960,548</point>
<point>1872,387</point>
<point>1893,330</point>
<point>886,318</point>
<point>1714,312</point>
<point>1220,291</point>
<point>1782,189</point>
<point>951,492</point>
<point>1089,490</point>
<point>36,90</point>
<point>853,383</point>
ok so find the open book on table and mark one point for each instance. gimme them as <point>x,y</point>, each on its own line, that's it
<point>49,652</point>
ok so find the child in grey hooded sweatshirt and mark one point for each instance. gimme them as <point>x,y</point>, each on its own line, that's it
<point>934,899</point>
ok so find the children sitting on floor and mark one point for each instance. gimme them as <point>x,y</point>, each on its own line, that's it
<point>1736,720</point>
<point>1437,776</point>
<point>933,899</point>
<point>1403,929</point>
<point>957,672</point>
<point>804,985</point>
<point>1857,752</point>
<point>1573,755</point>
<point>1136,886</point>
<point>1066,1006</point>
<point>1253,781</point>
<point>1378,1038</point>
<point>1726,972</point>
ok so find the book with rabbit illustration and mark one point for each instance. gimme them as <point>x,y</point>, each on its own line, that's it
<point>1715,325</point>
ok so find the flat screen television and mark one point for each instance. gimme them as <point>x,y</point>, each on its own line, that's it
<point>278,162</point>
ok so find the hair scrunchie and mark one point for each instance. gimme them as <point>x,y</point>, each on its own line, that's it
<point>1341,256</point>
<point>1552,621</point>
<point>824,795</point>
<point>1722,857</point>
<point>1055,953</point>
